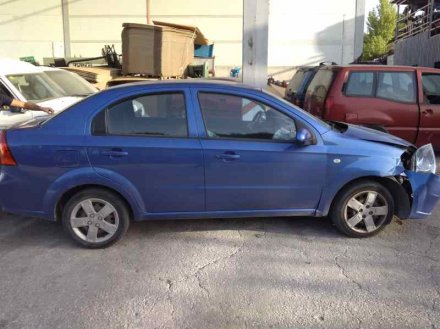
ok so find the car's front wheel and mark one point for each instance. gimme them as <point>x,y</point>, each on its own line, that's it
<point>95,218</point>
<point>362,209</point>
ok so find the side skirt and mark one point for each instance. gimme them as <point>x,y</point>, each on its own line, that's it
<point>230,214</point>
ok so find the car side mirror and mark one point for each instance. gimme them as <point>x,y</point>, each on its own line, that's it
<point>304,137</point>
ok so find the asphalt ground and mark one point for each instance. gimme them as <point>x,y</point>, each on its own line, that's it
<point>234,273</point>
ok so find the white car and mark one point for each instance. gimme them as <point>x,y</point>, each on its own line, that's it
<point>46,86</point>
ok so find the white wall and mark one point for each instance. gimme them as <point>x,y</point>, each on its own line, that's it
<point>28,27</point>
<point>300,33</point>
<point>306,33</point>
<point>92,25</point>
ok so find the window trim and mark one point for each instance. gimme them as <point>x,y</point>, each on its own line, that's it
<point>373,89</point>
<point>260,140</point>
<point>5,89</point>
<point>133,97</point>
<point>423,90</point>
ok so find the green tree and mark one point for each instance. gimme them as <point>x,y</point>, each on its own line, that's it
<point>381,24</point>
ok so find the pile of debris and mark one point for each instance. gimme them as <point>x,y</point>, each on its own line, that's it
<point>159,51</point>
<point>163,50</point>
<point>97,75</point>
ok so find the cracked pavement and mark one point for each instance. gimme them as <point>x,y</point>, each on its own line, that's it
<point>239,273</point>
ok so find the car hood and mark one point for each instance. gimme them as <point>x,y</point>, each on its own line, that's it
<point>35,122</point>
<point>372,135</point>
<point>58,104</point>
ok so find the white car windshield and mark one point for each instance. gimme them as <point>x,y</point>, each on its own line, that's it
<point>42,86</point>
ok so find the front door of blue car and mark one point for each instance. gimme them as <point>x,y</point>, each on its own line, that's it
<point>145,141</point>
<point>252,161</point>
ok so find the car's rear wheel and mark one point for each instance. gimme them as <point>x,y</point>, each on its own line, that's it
<point>95,218</point>
<point>362,209</point>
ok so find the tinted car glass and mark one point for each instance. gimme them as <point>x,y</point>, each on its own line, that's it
<point>397,86</point>
<point>4,90</point>
<point>360,84</point>
<point>320,85</point>
<point>151,115</point>
<point>431,88</point>
<point>296,80</point>
<point>229,116</point>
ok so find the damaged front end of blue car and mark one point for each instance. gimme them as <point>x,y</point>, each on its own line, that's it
<point>420,182</point>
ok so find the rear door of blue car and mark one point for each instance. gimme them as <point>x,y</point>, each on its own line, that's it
<point>149,139</point>
<point>252,161</point>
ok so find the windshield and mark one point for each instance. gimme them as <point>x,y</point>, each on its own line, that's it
<point>42,86</point>
<point>71,84</point>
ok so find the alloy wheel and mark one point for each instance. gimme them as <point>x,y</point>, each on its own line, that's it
<point>94,220</point>
<point>366,212</point>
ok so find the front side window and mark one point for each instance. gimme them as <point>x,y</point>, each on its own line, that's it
<point>36,87</point>
<point>397,86</point>
<point>360,84</point>
<point>431,88</point>
<point>230,116</point>
<point>147,115</point>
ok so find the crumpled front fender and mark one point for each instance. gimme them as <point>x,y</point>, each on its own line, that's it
<point>425,193</point>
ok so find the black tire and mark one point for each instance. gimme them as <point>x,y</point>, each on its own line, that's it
<point>118,220</point>
<point>341,212</point>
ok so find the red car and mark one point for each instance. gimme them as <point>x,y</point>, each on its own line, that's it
<point>401,100</point>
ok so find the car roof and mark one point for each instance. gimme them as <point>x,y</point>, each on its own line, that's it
<point>363,67</point>
<point>306,68</point>
<point>208,82</point>
<point>13,66</point>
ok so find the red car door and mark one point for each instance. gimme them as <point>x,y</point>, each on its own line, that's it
<point>429,95</point>
<point>380,99</point>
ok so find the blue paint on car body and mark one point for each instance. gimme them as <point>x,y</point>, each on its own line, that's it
<point>198,176</point>
<point>426,192</point>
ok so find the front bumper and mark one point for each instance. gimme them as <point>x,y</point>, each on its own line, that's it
<point>425,193</point>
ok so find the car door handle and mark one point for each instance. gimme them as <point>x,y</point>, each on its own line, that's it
<point>116,153</point>
<point>428,112</point>
<point>228,156</point>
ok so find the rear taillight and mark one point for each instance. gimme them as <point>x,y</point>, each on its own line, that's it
<point>6,158</point>
<point>328,105</point>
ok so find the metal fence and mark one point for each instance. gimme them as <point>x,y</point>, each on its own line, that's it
<point>413,22</point>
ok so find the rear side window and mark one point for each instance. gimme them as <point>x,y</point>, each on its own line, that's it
<point>431,88</point>
<point>147,115</point>
<point>360,84</point>
<point>320,85</point>
<point>296,80</point>
<point>397,86</point>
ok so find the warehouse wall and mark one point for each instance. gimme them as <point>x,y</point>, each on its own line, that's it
<point>307,33</point>
<point>300,32</point>
<point>29,27</point>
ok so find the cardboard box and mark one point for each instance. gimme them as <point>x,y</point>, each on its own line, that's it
<point>157,51</point>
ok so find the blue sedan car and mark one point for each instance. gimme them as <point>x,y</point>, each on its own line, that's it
<point>176,150</point>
